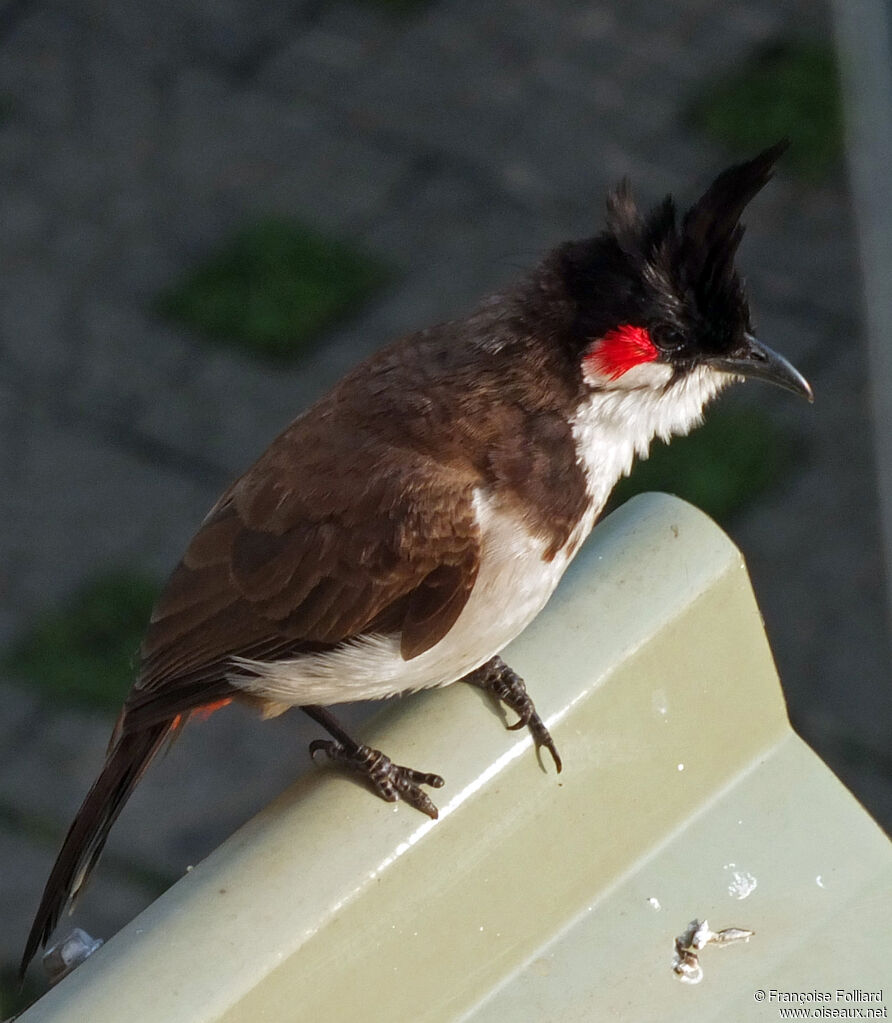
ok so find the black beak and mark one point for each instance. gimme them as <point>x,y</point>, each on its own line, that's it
<point>759,361</point>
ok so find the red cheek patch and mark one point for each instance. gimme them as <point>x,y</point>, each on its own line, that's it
<point>620,350</point>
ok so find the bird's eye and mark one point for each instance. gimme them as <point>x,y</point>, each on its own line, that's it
<point>667,339</point>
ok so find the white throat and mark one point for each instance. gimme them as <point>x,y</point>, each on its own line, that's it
<point>615,424</point>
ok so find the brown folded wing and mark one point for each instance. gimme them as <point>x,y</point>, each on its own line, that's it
<point>303,552</point>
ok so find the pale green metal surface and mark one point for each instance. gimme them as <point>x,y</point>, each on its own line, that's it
<point>821,911</point>
<point>529,898</point>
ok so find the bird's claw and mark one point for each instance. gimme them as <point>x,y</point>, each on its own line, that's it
<point>542,737</point>
<point>389,780</point>
<point>507,686</point>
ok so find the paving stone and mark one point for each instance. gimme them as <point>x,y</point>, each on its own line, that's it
<point>137,370</point>
<point>25,222</point>
<point>34,305</point>
<point>39,69</point>
<point>73,175</point>
<point>21,709</point>
<point>322,58</point>
<point>159,32</point>
<point>249,154</point>
<point>201,402</point>
<point>125,102</point>
<point>81,505</point>
<point>49,767</point>
<point>471,85</point>
<point>142,263</point>
<point>223,32</point>
<point>251,406</point>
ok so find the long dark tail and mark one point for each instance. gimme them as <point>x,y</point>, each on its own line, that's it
<point>127,758</point>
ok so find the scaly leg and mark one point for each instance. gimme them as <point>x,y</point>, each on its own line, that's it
<point>496,678</point>
<point>390,781</point>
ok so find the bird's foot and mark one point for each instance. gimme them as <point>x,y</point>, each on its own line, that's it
<point>496,678</point>
<point>391,781</point>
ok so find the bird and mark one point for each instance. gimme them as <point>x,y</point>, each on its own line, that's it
<point>398,534</point>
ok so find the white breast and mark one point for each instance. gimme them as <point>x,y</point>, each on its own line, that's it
<point>513,584</point>
<point>514,581</point>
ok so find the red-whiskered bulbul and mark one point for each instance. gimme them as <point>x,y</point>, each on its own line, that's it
<point>413,521</point>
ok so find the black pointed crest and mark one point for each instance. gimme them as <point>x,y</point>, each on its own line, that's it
<point>676,274</point>
<point>711,229</point>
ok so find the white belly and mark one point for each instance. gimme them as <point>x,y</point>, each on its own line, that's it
<point>512,586</point>
<point>514,582</point>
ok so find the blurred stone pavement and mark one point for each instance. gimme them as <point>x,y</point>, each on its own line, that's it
<point>458,143</point>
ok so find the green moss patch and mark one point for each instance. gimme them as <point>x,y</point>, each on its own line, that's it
<point>273,288</point>
<point>722,467</point>
<point>85,651</point>
<point>788,89</point>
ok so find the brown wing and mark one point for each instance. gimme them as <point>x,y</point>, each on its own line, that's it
<point>303,552</point>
